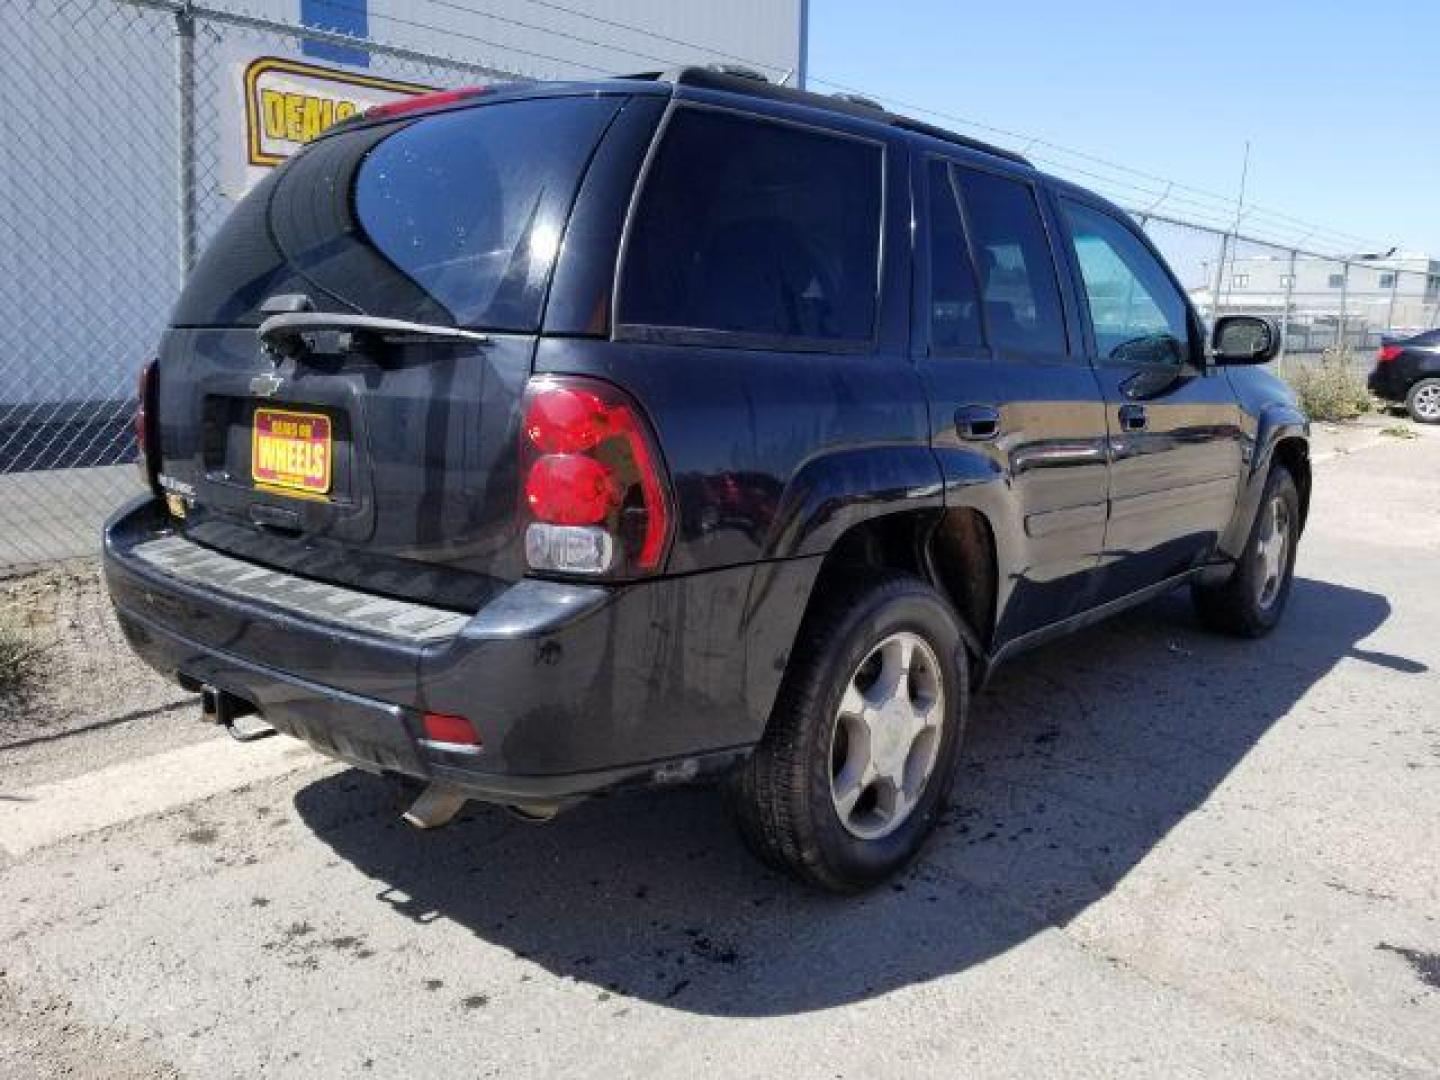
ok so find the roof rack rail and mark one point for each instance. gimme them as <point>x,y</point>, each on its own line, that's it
<point>694,73</point>
<point>905,123</point>
<point>740,71</point>
<point>859,99</point>
<point>741,80</point>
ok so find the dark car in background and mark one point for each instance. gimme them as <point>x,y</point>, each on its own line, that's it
<point>1407,372</point>
<point>546,440</point>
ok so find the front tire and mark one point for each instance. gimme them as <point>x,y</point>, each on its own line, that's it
<point>1251,601</point>
<point>859,756</point>
<point>1423,401</point>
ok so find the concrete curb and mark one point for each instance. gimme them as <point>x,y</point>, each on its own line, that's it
<point>49,813</point>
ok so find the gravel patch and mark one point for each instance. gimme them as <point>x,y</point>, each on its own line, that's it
<point>43,1038</point>
<point>85,676</point>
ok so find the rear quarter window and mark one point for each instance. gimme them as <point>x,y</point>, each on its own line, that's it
<point>755,228</point>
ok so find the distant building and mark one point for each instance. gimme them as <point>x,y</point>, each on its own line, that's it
<point>1379,294</point>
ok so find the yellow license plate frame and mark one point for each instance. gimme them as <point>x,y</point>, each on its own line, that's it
<point>292,451</point>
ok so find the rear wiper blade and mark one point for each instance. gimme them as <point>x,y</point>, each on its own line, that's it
<point>285,332</point>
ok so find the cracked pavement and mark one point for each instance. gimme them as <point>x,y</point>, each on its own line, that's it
<point>1169,854</point>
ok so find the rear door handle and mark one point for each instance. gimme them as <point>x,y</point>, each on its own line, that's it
<point>977,422</point>
<point>1133,418</point>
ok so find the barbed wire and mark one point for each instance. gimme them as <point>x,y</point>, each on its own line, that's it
<point>1212,208</point>
<point>1027,141</point>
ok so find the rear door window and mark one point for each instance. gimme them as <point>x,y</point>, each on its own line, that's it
<point>756,228</point>
<point>451,218</point>
<point>1018,286</point>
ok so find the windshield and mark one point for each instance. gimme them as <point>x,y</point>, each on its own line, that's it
<point>454,218</point>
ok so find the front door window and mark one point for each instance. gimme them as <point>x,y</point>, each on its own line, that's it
<point>1138,315</point>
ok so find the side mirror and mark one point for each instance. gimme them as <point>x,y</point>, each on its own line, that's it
<point>1244,339</point>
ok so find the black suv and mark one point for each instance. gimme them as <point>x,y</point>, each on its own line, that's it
<point>1407,371</point>
<point>544,440</point>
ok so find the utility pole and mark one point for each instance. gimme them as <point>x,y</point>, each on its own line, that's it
<point>1219,277</point>
<point>1225,240</point>
<point>1394,289</point>
<point>1244,175</point>
<point>185,151</point>
<point>1285,311</point>
<point>802,74</point>
<point>1344,298</point>
<point>1240,202</point>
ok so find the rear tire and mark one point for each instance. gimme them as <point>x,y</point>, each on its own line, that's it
<point>1251,601</point>
<point>1423,401</point>
<point>859,756</point>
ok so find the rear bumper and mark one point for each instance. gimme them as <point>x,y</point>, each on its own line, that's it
<point>1385,382</point>
<point>573,688</point>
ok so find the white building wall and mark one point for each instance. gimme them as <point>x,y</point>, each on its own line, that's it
<point>1409,275</point>
<point>1397,294</point>
<point>89,185</point>
<point>580,38</point>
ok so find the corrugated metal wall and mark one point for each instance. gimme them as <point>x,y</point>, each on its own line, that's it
<point>567,38</point>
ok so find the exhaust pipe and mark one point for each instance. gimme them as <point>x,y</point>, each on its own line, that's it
<point>436,806</point>
<point>536,813</point>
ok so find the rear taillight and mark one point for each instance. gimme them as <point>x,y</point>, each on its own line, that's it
<point>1388,353</point>
<point>595,495</point>
<point>147,425</point>
<point>423,101</point>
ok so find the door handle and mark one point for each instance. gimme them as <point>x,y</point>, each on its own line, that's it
<point>1133,418</point>
<point>977,422</point>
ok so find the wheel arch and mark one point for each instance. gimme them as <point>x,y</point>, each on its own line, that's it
<point>1282,435</point>
<point>1293,451</point>
<point>877,508</point>
<point>952,549</point>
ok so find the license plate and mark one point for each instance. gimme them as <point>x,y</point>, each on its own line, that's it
<point>291,450</point>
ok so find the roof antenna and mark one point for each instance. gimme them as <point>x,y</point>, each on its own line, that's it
<point>784,80</point>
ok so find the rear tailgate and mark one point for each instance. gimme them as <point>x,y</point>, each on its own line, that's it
<point>415,491</point>
<point>388,466</point>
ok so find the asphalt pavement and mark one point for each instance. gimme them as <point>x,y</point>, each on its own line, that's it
<point>1171,854</point>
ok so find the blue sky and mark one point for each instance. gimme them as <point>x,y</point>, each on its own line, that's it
<point>1340,101</point>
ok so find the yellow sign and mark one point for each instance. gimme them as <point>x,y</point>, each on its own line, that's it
<point>290,102</point>
<point>291,450</point>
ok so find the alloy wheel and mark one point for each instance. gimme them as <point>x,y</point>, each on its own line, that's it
<point>886,736</point>
<point>1272,551</point>
<point>1426,403</point>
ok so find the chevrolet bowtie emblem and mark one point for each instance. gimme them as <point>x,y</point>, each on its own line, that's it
<point>265,385</point>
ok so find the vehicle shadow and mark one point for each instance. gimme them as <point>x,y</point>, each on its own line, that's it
<point>1081,757</point>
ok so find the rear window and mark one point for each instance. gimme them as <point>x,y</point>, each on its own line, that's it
<point>452,218</point>
<point>756,228</point>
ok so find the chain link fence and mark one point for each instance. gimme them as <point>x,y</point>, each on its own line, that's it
<point>1322,302</point>
<point>112,182</point>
